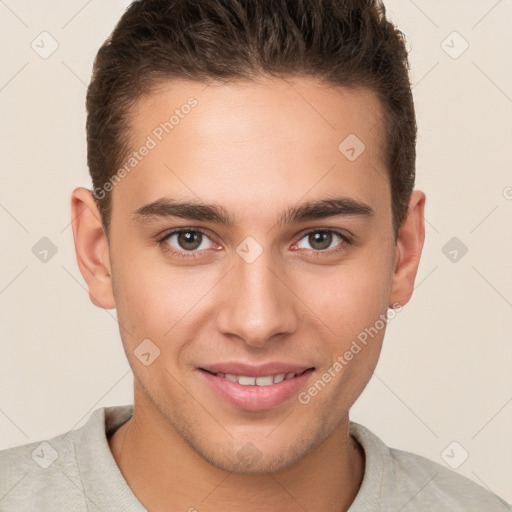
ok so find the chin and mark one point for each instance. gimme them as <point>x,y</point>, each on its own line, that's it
<point>249,459</point>
<point>246,466</point>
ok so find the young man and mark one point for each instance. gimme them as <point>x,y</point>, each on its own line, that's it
<point>252,216</point>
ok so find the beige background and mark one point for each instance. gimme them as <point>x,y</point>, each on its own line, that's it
<point>445,371</point>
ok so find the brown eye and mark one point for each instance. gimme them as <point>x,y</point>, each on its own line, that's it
<point>320,240</point>
<point>187,240</point>
<point>323,240</point>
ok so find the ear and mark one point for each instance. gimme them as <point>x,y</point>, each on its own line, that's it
<point>408,249</point>
<point>91,247</point>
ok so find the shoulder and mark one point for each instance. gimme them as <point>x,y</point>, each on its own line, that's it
<point>429,484</point>
<point>39,473</point>
<point>46,475</point>
<point>400,479</point>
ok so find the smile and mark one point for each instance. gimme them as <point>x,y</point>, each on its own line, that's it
<point>266,380</point>
<point>256,393</point>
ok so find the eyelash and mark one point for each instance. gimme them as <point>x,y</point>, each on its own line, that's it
<point>191,254</point>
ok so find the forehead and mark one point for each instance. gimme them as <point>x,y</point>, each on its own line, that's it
<point>261,139</point>
<point>294,109</point>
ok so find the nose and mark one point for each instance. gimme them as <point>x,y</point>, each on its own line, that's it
<point>256,303</point>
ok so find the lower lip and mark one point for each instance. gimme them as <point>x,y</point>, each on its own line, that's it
<point>256,398</point>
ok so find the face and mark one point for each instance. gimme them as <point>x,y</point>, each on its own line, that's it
<point>282,259</point>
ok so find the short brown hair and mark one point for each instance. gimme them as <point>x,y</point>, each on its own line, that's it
<point>342,42</point>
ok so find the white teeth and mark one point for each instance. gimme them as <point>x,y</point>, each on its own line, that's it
<point>246,381</point>
<point>267,380</point>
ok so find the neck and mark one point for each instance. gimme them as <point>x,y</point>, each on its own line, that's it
<point>165,473</point>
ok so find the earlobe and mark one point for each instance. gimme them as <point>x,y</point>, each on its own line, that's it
<point>91,247</point>
<point>408,251</point>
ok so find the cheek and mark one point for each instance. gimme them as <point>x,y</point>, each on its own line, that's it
<point>352,301</point>
<point>350,297</point>
<point>156,301</point>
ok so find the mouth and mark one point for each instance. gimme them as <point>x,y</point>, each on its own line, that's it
<point>261,392</point>
<point>264,380</point>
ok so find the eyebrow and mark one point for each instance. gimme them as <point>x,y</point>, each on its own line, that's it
<point>199,211</point>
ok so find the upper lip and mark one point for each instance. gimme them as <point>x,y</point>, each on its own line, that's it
<point>273,368</point>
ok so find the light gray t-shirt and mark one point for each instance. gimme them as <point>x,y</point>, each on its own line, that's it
<point>77,472</point>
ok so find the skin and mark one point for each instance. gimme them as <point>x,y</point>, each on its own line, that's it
<point>256,148</point>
